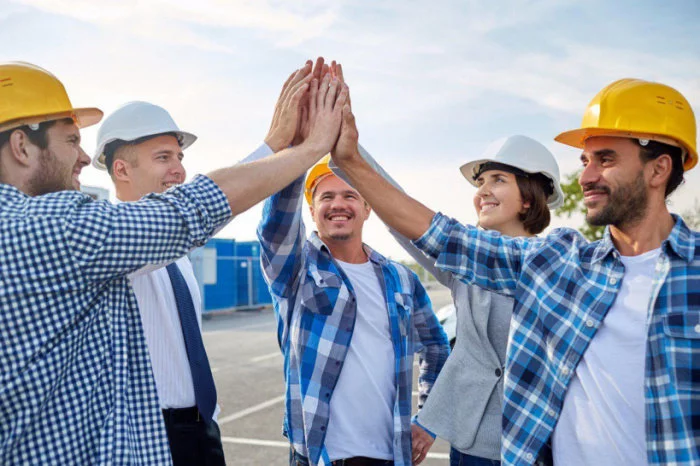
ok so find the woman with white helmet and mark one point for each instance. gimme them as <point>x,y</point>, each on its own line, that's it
<point>517,181</point>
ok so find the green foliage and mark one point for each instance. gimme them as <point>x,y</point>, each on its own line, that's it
<point>692,216</point>
<point>573,204</point>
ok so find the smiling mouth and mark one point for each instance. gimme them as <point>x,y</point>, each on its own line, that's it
<point>339,218</point>
<point>593,195</point>
<point>170,185</point>
<point>487,206</point>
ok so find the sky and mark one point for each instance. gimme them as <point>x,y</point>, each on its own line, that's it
<point>432,83</point>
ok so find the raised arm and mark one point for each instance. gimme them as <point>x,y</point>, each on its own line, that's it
<point>397,209</point>
<point>426,262</point>
<point>247,184</point>
<point>486,259</point>
<point>112,240</point>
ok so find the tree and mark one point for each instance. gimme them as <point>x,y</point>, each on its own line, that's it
<point>692,216</point>
<point>573,204</point>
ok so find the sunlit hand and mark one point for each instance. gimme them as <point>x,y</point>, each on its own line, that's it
<point>285,121</point>
<point>346,148</point>
<point>422,441</point>
<point>326,102</point>
<point>319,70</point>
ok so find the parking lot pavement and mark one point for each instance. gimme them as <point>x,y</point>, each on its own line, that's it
<point>247,367</point>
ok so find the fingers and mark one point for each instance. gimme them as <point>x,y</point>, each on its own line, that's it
<point>322,92</point>
<point>318,68</point>
<point>295,77</point>
<point>332,93</point>
<point>419,452</point>
<point>313,97</point>
<point>339,73</point>
<point>298,93</point>
<point>342,99</point>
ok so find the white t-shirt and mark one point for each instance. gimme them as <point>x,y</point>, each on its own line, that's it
<point>602,421</point>
<point>361,420</point>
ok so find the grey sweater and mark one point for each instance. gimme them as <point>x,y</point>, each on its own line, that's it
<point>465,404</point>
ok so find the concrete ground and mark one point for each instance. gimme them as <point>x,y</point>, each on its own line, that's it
<point>247,366</point>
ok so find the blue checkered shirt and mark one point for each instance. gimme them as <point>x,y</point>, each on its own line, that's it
<point>315,307</point>
<point>75,378</point>
<point>563,286</point>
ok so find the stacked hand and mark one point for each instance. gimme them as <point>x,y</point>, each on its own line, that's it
<point>310,109</point>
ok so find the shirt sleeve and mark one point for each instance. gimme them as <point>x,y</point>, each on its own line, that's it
<point>431,342</point>
<point>282,234</point>
<point>108,240</point>
<point>483,258</point>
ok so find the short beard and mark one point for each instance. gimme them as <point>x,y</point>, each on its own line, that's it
<point>626,205</point>
<point>343,237</point>
<point>48,179</point>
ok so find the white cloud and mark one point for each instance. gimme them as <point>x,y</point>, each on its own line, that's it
<point>424,76</point>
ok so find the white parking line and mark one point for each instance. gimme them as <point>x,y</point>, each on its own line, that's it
<point>278,444</point>
<point>251,410</point>
<point>270,324</point>
<point>252,441</point>
<point>266,356</point>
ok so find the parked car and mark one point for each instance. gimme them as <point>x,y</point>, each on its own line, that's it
<point>448,319</point>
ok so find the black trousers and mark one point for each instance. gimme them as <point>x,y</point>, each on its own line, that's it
<point>192,441</point>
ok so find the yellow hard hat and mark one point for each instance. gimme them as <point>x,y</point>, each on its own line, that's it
<point>639,109</point>
<point>29,94</point>
<point>316,174</point>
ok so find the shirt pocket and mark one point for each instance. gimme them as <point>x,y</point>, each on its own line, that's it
<point>683,330</point>
<point>404,305</point>
<point>320,291</point>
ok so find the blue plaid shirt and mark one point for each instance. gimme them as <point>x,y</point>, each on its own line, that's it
<point>315,306</point>
<point>75,378</point>
<point>563,286</point>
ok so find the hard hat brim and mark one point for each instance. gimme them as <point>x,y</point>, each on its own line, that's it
<point>555,200</point>
<point>83,117</point>
<point>98,161</point>
<point>577,138</point>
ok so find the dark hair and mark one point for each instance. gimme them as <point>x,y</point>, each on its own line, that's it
<point>654,150</point>
<point>37,136</point>
<point>535,189</point>
<point>111,148</point>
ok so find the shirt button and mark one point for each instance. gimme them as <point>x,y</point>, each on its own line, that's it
<point>613,281</point>
<point>323,428</point>
<point>337,363</point>
<point>529,457</point>
<point>697,328</point>
<point>590,323</point>
<point>565,371</point>
<point>498,372</point>
<point>551,412</point>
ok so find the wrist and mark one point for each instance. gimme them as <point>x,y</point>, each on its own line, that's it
<point>275,143</point>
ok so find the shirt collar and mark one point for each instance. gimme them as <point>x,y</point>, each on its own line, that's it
<point>7,190</point>
<point>680,241</point>
<point>373,255</point>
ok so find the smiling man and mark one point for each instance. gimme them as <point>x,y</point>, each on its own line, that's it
<point>350,321</point>
<point>76,385</point>
<point>142,149</point>
<point>604,351</point>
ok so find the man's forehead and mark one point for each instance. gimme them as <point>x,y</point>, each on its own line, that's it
<point>607,143</point>
<point>163,143</point>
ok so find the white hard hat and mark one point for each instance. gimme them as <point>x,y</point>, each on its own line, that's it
<point>136,120</point>
<point>523,153</point>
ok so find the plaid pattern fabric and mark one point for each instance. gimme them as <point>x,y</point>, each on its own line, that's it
<point>75,378</point>
<point>316,308</point>
<point>563,287</point>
